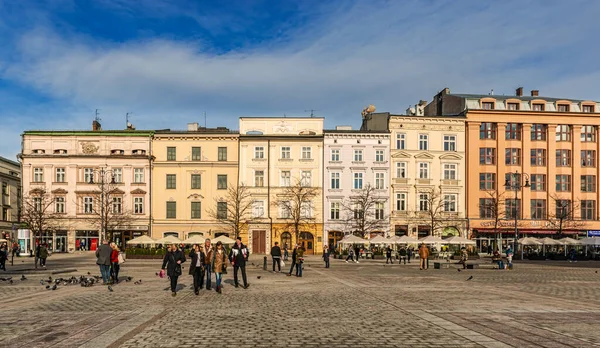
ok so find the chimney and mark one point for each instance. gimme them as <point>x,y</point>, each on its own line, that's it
<point>535,92</point>
<point>96,126</point>
<point>192,127</point>
<point>343,128</point>
<point>520,92</point>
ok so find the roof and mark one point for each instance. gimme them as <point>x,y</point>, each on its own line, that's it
<point>505,97</point>
<point>14,163</point>
<point>356,131</point>
<point>198,132</point>
<point>122,133</point>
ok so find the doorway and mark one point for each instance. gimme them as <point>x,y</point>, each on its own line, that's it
<point>333,239</point>
<point>286,240</point>
<point>307,241</point>
<point>259,241</point>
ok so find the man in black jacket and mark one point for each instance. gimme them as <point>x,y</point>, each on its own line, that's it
<point>196,268</point>
<point>276,255</point>
<point>103,260</point>
<point>238,257</point>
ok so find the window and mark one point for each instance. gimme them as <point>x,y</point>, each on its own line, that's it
<point>538,182</point>
<point>512,179</point>
<point>538,107</point>
<point>379,156</point>
<point>335,155</point>
<point>335,210</point>
<point>401,170</point>
<point>196,210</point>
<point>171,210</point>
<point>487,181</point>
<point>118,175</point>
<point>513,106</point>
<point>563,158</point>
<point>306,178</point>
<point>423,202</point>
<point>284,210</point>
<point>222,153</point>
<point>563,183</point>
<point>358,155</point>
<point>563,208</point>
<point>538,132</point>
<point>5,214</point>
<point>196,181</point>
<point>88,175</point>
<point>487,105</point>
<point>286,152</point>
<point>588,210</point>
<point>37,204</point>
<point>487,208</point>
<point>423,170</point>
<point>258,209</point>
<point>423,142</point>
<point>513,208</point>
<point>379,181</point>
<point>306,152</point>
<point>59,205</point>
<point>538,209</point>
<point>449,142</point>
<point>138,205</point>
<point>221,181</point>
<point>587,108</point>
<point>306,210</point>
<point>359,212</point>
<point>450,203</point>
<point>259,152</point>
<point>563,132</point>
<point>538,157</point>
<point>401,201</point>
<point>259,178</point>
<point>588,183</point>
<point>487,130</point>
<point>400,141</point>
<point>563,108</point>
<point>335,181</point>
<point>513,156</point>
<point>221,210</point>
<point>88,205</point>
<point>513,131</point>
<point>171,181</point>
<point>60,174</point>
<point>487,155</point>
<point>358,181</point>
<point>450,171</point>
<point>171,153</point>
<point>117,205</point>
<point>5,189</point>
<point>138,175</point>
<point>196,153</point>
<point>379,211</point>
<point>588,158</point>
<point>588,134</point>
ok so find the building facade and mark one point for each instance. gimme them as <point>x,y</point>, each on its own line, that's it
<point>10,178</point>
<point>85,173</point>
<point>280,157</point>
<point>356,168</point>
<point>191,175</point>
<point>553,145</point>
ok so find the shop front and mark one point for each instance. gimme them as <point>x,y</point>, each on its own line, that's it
<point>122,237</point>
<point>86,240</point>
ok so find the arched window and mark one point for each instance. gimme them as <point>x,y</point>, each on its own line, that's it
<point>286,240</point>
<point>174,234</point>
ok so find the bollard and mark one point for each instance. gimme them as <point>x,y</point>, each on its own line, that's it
<point>265,264</point>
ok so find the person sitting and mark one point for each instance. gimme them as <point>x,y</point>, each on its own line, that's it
<point>497,258</point>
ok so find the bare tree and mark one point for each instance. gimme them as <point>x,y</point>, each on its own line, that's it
<point>431,209</point>
<point>297,209</point>
<point>562,216</point>
<point>364,212</point>
<point>38,214</point>
<point>109,213</point>
<point>494,208</point>
<point>234,209</point>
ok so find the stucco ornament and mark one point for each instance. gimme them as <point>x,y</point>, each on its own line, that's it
<point>89,148</point>
<point>282,127</point>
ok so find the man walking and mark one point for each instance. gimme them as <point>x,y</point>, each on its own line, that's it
<point>388,255</point>
<point>294,259</point>
<point>276,256</point>
<point>238,257</point>
<point>423,255</point>
<point>103,260</point>
<point>208,252</point>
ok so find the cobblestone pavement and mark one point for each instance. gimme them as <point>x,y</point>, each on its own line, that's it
<point>367,304</point>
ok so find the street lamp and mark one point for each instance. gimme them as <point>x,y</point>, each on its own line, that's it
<point>102,175</point>
<point>515,184</point>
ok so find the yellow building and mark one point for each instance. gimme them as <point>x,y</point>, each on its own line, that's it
<point>276,155</point>
<point>191,171</point>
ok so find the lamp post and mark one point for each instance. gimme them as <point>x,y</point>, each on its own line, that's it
<point>102,175</point>
<point>515,184</point>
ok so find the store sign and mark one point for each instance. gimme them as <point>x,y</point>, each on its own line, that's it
<point>594,233</point>
<point>521,224</point>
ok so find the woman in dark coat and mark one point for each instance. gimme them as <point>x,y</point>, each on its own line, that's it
<point>172,263</point>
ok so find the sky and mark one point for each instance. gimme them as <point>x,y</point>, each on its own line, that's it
<point>167,62</point>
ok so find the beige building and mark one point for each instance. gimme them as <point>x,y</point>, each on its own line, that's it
<point>10,178</point>
<point>276,153</point>
<point>192,169</point>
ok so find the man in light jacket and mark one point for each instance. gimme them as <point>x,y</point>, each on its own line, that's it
<point>103,260</point>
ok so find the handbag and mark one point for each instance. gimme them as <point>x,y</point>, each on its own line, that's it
<point>224,268</point>
<point>282,263</point>
<point>121,259</point>
<point>177,270</point>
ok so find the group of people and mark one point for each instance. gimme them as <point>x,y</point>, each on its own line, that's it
<point>297,258</point>
<point>109,258</point>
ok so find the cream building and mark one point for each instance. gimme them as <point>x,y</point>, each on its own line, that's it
<point>10,178</point>
<point>67,165</point>
<point>191,171</point>
<point>428,172</point>
<point>276,153</point>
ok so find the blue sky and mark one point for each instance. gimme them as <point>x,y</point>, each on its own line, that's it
<point>168,62</point>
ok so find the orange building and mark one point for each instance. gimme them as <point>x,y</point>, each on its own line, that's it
<point>553,141</point>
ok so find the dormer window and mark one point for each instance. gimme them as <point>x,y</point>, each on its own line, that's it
<point>487,105</point>
<point>138,152</point>
<point>39,151</point>
<point>563,108</point>
<point>118,152</point>
<point>537,107</point>
<point>60,152</point>
<point>512,106</point>
<point>587,108</point>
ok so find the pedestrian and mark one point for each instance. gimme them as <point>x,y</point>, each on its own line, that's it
<point>409,254</point>
<point>388,255</point>
<point>37,254</point>
<point>3,257</point>
<point>219,264</point>
<point>286,253</point>
<point>172,263</point>
<point>208,256</point>
<point>238,256</point>
<point>423,255</point>
<point>294,259</point>
<point>509,256</point>
<point>43,255</point>
<point>114,262</point>
<point>402,252</point>
<point>103,254</point>
<point>299,261</point>
<point>464,256</point>
<point>350,255</point>
<point>326,256</point>
<point>489,249</point>
<point>357,252</point>
<point>196,267</point>
<point>276,256</point>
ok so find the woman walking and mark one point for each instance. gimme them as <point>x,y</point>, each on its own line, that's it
<point>326,256</point>
<point>219,264</point>
<point>114,263</point>
<point>196,267</point>
<point>172,263</point>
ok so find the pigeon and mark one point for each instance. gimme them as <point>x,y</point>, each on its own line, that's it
<point>10,281</point>
<point>252,263</point>
<point>138,282</point>
<point>471,277</point>
<point>23,277</point>
<point>596,271</point>
<point>458,269</point>
<point>89,273</point>
<point>41,282</point>
<point>54,287</point>
<point>47,287</point>
<point>5,279</point>
<point>129,279</point>
<point>258,277</point>
<point>110,288</point>
<point>156,273</point>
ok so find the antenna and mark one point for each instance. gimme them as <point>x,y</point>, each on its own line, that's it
<point>127,118</point>
<point>204,119</point>
<point>97,118</point>
<point>312,112</point>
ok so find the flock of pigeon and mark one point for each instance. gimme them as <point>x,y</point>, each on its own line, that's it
<point>83,281</point>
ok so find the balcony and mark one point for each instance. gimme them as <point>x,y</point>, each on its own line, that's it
<point>451,182</point>
<point>423,181</point>
<point>400,181</point>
